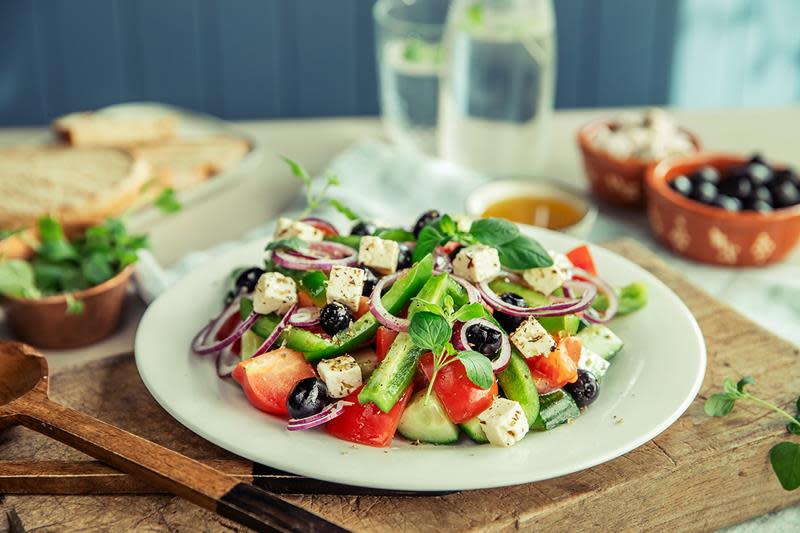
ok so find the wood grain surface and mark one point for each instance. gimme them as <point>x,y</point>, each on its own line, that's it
<point>699,475</point>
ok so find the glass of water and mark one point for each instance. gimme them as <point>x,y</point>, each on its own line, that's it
<point>497,85</point>
<point>408,36</point>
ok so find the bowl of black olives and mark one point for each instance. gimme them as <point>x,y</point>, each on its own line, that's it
<point>725,209</point>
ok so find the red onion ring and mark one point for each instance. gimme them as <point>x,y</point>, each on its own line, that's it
<point>322,224</point>
<point>226,361</point>
<point>379,311</point>
<point>326,415</point>
<point>589,291</point>
<point>204,343</point>
<point>500,362</point>
<point>335,254</point>
<point>269,341</point>
<point>305,317</point>
<point>592,315</point>
<point>472,293</point>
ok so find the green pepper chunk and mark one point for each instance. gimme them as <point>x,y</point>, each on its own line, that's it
<point>631,298</point>
<point>315,283</point>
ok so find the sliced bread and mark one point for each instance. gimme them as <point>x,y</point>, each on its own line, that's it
<point>107,128</point>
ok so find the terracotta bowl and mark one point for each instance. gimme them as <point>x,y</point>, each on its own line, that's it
<point>614,180</point>
<point>713,235</point>
<point>45,323</point>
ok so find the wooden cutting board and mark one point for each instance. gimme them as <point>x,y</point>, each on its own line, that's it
<point>700,474</point>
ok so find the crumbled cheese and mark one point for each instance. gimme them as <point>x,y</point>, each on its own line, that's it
<point>275,293</point>
<point>477,263</point>
<point>531,339</point>
<point>379,254</point>
<point>545,279</point>
<point>504,422</point>
<point>593,363</point>
<point>288,228</point>
<point>341,375</point>
<point>345,285</point>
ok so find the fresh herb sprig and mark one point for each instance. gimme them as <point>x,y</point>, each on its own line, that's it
<point>432,331</point>
<point>516,251</point>
<point>317,199</point>
<point>168,202</point>
<point>784,456</point>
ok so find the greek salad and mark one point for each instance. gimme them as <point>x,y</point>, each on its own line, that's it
<point>446,328</point>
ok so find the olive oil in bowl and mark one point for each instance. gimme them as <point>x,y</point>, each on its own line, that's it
<point>546,212</point>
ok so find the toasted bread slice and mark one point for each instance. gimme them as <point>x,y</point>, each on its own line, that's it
<point>114,129</point>
<point>181,163</point>
<point>79,186</point>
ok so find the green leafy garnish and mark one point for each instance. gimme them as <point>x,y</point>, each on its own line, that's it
<point>317,199</point>
<point>631,298</point>
<point>343,209</point>
<point>17,279</point>
<point>292,243</point>
<point>785,456</point>
<point>494,231</point>
<point>74,306</point>
<point>168,202</point>
<point>430,331</point>
<point>478,367</point>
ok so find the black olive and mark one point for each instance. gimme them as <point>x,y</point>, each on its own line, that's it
<point>785,194</point>
<point>309,397</point>
<point>682,185</point>
<point>404,258</point>
<point>737,186</point>
<point>452,255</point>
<point>585,390</point>
<point>363,228</point>
<point>759,173</point>
<point>230,297</point>
<point>707,173</point>
<point>760,206</point>
<point>484,339</point>
<point>370,280</point>
<point>761,193</point>
<point>510,322</point>
<point>335,317</point>
<point>758,159</point>
<point>428,217</point>
<point>249,278</point>
<point>728,203</point>
<point>704,192</point>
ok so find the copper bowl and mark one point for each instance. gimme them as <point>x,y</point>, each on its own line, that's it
<point>709,234</point>
<point>615,180</point>
<point>45,323</point>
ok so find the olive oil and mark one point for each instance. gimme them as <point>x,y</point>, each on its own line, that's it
<point>548,212</point>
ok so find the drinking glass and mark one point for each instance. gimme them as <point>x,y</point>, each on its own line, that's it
<point>408,36</point>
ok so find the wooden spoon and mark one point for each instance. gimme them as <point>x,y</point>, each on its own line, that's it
<point>23,400</point>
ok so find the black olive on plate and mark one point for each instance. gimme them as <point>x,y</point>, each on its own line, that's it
<point>370,280</point>
<point>335,317</point>
<point>404,258</point>
<point>249,278</point>
<point>585,390</point>
<point>309,397</point>
<point>428,217</point>
<point>510,322</point>
<point>363,228</point>
<point>484,339</point>
<point>728,203</point>
<point>705,192</point>
<point>682,185</point>
<point>708,174</point>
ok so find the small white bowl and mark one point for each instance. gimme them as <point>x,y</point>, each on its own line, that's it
<point>485,195</point>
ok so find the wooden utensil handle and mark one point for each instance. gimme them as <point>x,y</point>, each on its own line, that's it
<point>161,467</point>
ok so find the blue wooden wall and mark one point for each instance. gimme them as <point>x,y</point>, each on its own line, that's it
<point>290,58</point>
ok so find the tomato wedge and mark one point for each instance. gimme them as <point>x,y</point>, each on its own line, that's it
<point>383,341</point>
<point>581,257</point>
<point>365,423</point>
<point>363,307</point>
<point>559,367</point>
<point>462,399</point>
<point>267,380</point>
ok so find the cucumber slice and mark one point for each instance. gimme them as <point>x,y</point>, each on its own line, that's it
<point>425,420</point>
<point>250,343</point>
<point>517,384</point>
<point>395,373</point>
<point>557,324</point>
<point>531,297</point>
<point>555,408</point>
<point>601,340</point>
<point>472,428</point>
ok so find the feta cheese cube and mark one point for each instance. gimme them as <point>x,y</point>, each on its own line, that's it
<point>562,262</point>
<point>275,293</point>
<point>341,375</point>
<point>593,363</point>
<point>504,422</point>
<point>477,263</point>
<point>345,285</point>
<point>531,339</point>
<point>379,254</point>
<point>288,228</point>
<point>545,279</point>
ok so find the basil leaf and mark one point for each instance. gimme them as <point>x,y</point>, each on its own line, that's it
<point>429,238</point>
<point>446,225</point>
<point>494,231</point>
<point>167,202</point>
<point>468,312</point>
<point>55,246</point>
<point>785,459</point>
<point>730,388</point>
<point>478,367</point>
<point>429,331</point>
<point>74,306</point>
<point>523,253</point>
<point>292,243</point>
<point>17,279</point>
<point>343,209</point>
<point>718,405</point>
<point>744,382</point>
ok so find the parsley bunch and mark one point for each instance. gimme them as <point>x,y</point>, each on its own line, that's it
<point>784,456</point>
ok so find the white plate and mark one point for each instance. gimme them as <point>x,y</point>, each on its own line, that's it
<point>649,385</point>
